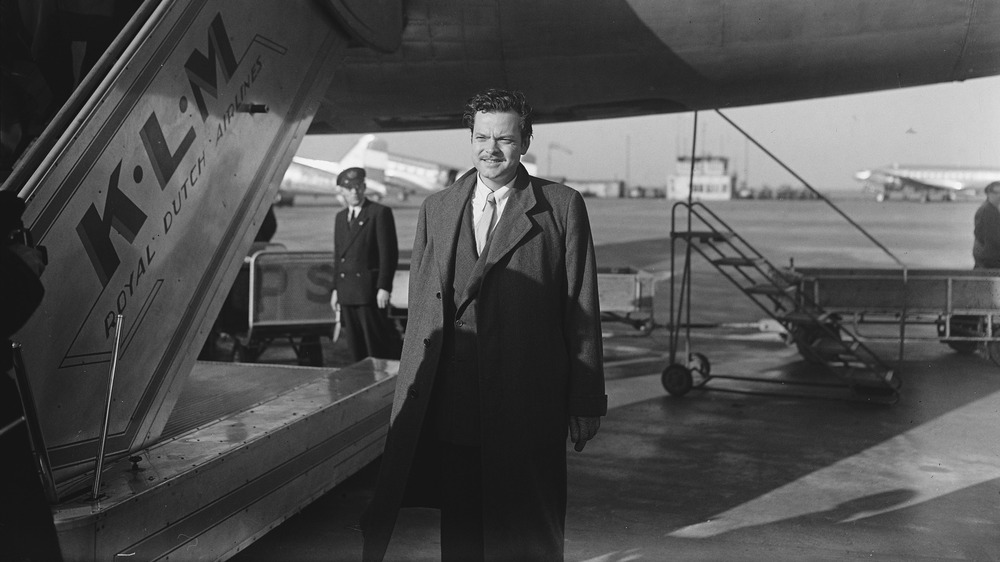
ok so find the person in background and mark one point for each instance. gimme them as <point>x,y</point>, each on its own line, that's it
<point>365,257</point>
<point>26,527</point>
<point>502,357</point>
<point>986,247</point>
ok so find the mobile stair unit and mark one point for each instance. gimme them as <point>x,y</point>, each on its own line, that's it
<point>818,333</point>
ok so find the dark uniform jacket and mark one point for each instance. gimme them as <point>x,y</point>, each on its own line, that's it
<point>986,246</point>
<point>365,254</point>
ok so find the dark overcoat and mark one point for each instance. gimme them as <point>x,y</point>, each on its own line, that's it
<point>539,340</point>
<point>365,254</point>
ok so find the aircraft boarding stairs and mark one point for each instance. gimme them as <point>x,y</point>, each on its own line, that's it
<point>819,335</point>
<point>147,188</point>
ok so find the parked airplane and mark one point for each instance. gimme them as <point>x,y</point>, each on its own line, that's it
<point>387,173</point>
<point>926,182</point>
<point>171,126</point>
<point>318,178</point>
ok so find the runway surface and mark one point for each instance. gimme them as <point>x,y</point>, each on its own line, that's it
<point>741,470</point>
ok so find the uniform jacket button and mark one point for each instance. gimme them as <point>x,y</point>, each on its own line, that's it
<point>459,323</point>
<point>412,393</point>
<point>427,342</point>
<point>342,274</point>
<point>438,295</point>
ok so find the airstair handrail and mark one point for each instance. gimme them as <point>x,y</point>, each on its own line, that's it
<point>817,193</point>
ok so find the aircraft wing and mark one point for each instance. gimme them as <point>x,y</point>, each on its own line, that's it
<point>593,59</point>
<point>923,179</point>
<point>308,176</point>
<point>942,184</point>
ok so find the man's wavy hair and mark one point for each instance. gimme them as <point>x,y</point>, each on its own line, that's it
<point>499,101</point>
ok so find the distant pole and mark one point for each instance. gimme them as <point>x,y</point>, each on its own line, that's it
<point>746,162</point>
<point>628,169</point>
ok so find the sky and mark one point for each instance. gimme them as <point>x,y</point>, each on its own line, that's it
<point>825,141</point>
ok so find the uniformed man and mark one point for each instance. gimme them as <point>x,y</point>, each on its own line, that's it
<point>366,253</point>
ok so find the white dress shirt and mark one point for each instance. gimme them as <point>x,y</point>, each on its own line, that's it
<point>479,200</point>
<point>353,212</point>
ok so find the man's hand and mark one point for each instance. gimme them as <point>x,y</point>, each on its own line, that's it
<point>333,299</point>
<point>583,429</point>
<point>382,298</point>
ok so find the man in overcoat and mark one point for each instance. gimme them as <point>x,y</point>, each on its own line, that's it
<point>365,257</point>
<point>502,356</point>
<point>986,231</point>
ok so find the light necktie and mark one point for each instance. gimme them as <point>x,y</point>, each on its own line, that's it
<point>486,222</point>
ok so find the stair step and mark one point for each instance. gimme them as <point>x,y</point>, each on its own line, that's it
<point>770,290</point>
<point>832,347</point>
<point>848,364</point>
<point>738,261</point>
<point>872,377</point>
<point>703,236</point>
<point>800,317</point>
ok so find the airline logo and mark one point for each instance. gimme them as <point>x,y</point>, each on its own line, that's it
<point>151,206</point>
<point>175,170</point>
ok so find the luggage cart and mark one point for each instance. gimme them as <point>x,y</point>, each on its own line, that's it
<point>288,301</point>
<point>963,306</point>
<point>625,295</point>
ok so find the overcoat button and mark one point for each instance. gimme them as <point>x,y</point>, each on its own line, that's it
<point>342,274</point>
<point>412,393</point>
<point>438,295</point>
<point>427,342</point>
<point>342,260</point>
<point>459,323</point>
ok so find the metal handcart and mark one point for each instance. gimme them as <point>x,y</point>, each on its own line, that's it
<point>625,295</point>
<point>962,306</point>
<point>288,302</point>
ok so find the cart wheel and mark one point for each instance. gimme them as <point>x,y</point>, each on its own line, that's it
<point>964,326</point>
<point>698,362</point>
<point>310,351</point>
<point>677,380</point>
<point>964,347</point>
<point>242,354</point>
<point>993,352</point>
<point>806,338</point>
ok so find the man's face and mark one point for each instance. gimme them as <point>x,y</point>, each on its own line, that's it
<point>354,194</point>
<point>497,147</point>
<point>993,196</point>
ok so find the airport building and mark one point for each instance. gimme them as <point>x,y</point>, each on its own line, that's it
<point>712,180</point>
<point>611,189</point>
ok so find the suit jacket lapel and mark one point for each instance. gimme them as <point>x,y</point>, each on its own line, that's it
<point>355,227</point>
<point>341,233</point>
<point>446,229</point>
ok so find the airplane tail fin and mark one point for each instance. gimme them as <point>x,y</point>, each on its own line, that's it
<point>369,153</point>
